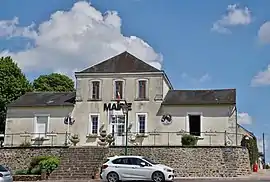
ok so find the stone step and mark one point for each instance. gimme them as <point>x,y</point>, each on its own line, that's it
<point>79,163</point>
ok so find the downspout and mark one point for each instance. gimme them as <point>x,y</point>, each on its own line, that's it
<point>236,127</point>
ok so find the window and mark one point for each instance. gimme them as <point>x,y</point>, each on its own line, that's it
<point>124,161</point>
<point>41,125</point>
<point>138,161</point>
<point>95,90</point>
<point>119,89</point>
<point>94,122</point>
<point>149,160</point>
<point>129,161</point>
<point>142,89</point>
<point>195,125</point>
<point>142,121</point>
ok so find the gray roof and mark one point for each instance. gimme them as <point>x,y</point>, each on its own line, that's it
<point>32,99</point>
<point>194,97</point>
<point>121,63</point>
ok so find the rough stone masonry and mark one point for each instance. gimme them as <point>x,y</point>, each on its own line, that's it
<point>188,162</point>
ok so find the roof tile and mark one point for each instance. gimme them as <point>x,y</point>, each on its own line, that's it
<point>191,97</point>
<point>122,63</point>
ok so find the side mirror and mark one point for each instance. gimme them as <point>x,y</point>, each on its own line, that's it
<point>142,164</point>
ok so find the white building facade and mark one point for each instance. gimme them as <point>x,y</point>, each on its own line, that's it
<point>158,115</point>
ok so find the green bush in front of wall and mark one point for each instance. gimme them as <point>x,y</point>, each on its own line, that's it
<point>251,145</point>
<point>39,164</point>
<point>49,165</point>
<point>189,140</point>
<point>34,164</point>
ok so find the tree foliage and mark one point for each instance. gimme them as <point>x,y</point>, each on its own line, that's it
<point>251,144</point>
<point>53,82</point>
<point>13,84</point>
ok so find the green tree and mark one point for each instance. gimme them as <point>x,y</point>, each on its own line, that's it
<point>13,84</point>
<point>251,145</point>
<point>53,82</point>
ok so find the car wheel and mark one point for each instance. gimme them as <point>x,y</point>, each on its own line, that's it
<point>112,177</point>
<point>158,176</point>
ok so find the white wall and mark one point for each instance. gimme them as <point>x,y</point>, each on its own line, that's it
<point>157,87</point>
<point>213,119</point>
<point>22,119</point>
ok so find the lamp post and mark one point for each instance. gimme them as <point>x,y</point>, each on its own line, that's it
<point>125,112</point>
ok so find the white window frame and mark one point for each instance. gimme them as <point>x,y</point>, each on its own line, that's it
<point>196,114</point>
<point>91,89</point>
<point>124,88</point>
<point>138,122</point>
<point>90,123</point>
<point>35,123</point>
<point>146,89</point>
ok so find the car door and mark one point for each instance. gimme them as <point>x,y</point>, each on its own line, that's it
<point>124,168</point>
<point>139,171</point>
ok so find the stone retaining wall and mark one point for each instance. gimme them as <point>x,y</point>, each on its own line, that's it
<point>188,162</point>
<point>197,161</point>
<point>20,158</point>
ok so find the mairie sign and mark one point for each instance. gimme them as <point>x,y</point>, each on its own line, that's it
<point>115,106</point>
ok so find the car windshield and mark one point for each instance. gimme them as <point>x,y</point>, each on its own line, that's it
<point>149,160</point>
<point>3,169</point>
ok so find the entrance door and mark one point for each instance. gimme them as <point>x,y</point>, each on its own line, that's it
<point>118,129</point>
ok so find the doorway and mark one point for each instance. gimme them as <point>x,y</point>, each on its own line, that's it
<point>195,125</point>
<point>118,128</point>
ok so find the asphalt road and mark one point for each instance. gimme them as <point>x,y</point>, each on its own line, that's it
<point>194,180</point>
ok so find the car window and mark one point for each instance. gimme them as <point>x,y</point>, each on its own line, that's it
<point>3,169</point>
<point>138,161</point>
<point>124,161</point>
<point>149,160</point>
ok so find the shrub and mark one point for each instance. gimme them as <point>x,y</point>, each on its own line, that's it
<point>267,166</point>
<point>252,147</point>
<point>36,171</point>
<point>35,162</point>
<point>49,164</point>
<point>189,140</point>
<point>21,172</point>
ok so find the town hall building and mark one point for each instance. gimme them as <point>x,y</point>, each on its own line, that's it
<point>157,114</point>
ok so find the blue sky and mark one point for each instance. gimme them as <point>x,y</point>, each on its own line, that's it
<point>194,55</point>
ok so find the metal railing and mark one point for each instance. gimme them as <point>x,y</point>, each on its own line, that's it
<point>134,139</point>
<point>35,139</point>
<point>175,138</point>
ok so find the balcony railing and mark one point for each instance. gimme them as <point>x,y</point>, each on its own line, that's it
<point>35,139</point>
<point>134,139</point>
<point>175,138</point>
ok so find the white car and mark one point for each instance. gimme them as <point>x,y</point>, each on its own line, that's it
<point>138,168</point>
<point>5,174</point>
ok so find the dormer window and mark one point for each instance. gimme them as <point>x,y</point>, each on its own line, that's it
<point>118,89</point>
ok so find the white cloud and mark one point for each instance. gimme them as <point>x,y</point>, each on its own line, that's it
<point>262,78</point>
<point>75,39</point>
<point>234,16</point>
<point>244,118</point>
<point>9,28</point>
<point>206,77</point>
<point>264,32</point>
